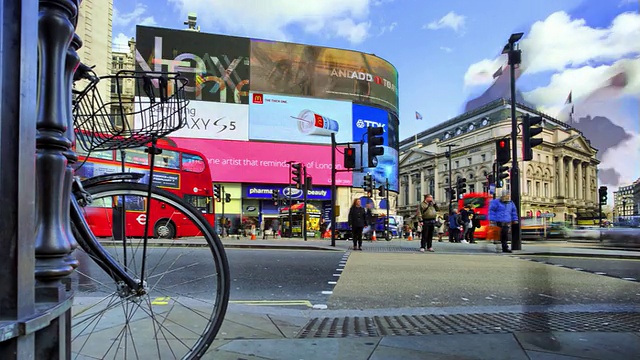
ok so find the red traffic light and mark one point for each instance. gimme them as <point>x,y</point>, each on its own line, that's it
<point>502,143</point>
<point>349,151</point>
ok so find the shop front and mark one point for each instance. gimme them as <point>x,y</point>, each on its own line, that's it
<point>230,212</point>
<point>319,196</point>
<point>296,214</point>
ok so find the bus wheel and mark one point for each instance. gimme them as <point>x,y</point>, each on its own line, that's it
<point>164,229</point>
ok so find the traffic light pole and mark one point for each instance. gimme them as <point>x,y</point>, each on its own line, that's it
<point>304,199</point>
<point>290,201</point>
<point>222,200</point>
<point>451,198</point>
<point>515,171</point>
<point>386,228</point>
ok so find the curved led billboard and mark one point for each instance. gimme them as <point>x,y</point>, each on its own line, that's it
<point>256,104</point>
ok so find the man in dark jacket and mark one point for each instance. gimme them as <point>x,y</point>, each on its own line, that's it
<point>357,222</point>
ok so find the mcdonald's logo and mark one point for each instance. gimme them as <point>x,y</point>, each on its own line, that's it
<point>258,98</point>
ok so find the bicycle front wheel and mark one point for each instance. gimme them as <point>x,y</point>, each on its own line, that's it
<point>186,288</point>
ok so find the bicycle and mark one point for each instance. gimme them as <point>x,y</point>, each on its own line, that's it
<point>133,309</point>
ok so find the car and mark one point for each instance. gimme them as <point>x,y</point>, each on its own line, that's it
<point>583,232</point>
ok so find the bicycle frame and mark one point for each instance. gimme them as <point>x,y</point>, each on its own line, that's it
<point>86,239</point>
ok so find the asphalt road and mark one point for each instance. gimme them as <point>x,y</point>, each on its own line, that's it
<point>411,280</point>
<point>619,268</point>
<point>293,278</point>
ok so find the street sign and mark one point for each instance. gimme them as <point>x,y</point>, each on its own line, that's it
<point>548,215</point>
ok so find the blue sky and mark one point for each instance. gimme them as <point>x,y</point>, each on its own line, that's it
<point>445,52</point>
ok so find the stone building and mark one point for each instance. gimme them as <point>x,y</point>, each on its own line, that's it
<point>626,200</point>
<point>561,178</point>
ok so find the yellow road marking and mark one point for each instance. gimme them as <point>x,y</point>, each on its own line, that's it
<point>576,257</point>
<point>161,301</point>
<point>306,303</point>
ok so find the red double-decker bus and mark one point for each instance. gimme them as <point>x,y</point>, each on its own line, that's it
<point>180,171</point>
<point>480,204</point>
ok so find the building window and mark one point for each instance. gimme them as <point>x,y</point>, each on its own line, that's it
<point>546,190</point>
<point>528,190</point>
<point>537,188</point>
<point>445,167</point>
<point>472,188</point>
<point>484,157</point>
<point>469,162</point>
<point>432,186</point>
<point>418,193</point>
<point>548,160</point>
<point>457,164</point>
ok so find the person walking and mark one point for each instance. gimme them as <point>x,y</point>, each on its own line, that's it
<point>427,213</point>
<point>474,224</point>
<point>454,226</point>
<point>503,213</point>
<point>357,222</point>
<point>440,223</point>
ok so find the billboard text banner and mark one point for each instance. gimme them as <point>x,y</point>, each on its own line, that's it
<point>304,70</point>
<point>216,66</point>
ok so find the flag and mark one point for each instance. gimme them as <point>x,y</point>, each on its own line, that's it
<point>497,73</point>
<point>569,98</point>
<point>418,116</point>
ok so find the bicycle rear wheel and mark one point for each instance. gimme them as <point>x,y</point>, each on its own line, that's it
<point>187,287</point>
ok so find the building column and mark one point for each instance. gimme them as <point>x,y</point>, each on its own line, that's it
<point>436,182</point>
<point>580,184</point>
<point>572,182</point>
<point>423,184</point>
<point>412,191</point>
<point>587,180</point>
<point>561,179</point>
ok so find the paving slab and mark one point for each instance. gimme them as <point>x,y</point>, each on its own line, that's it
<point>393,353</point>
<point>495,346</point>
<point>245,326</point>
<point>606,346</point>
<point>539,355</point>
<point>307,349</point>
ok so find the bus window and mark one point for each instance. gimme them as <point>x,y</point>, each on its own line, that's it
<point>103,202</point>
<point>105,155</point>
<point>192,163</point>
<point>168,159</point>
<point>199,202</point>
<point>134,203</point>
<point>134,156</point>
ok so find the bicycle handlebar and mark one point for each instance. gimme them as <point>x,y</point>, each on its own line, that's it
<point>85,72</point>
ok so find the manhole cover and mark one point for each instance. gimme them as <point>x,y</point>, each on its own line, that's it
<point>493,323</point>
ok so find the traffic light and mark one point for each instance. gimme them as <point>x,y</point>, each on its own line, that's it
<point>349,158</point>
<point>503,155</point>
<point>296,174</point>
<point>381,191</point>
<point>274,195</point>
<point>308,185</point>
<point>374,140</point>
<point>447,154</point>
<point>602,191</point>
<point>368,183</point>
<point>529,130</point>
<point>491,179</point>
<point>216,192</point>
<point>452,194</point>
<point>461,186</point>
<point>503,151</point>
<point>227,197</point>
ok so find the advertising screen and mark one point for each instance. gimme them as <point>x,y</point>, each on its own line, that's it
<point>216,66</point>
<point>304,70</point>
<point>364,117</point>
<point>263,191</point>
<point>298,119</point>
<point>261,162</point>
<point>204,120</point>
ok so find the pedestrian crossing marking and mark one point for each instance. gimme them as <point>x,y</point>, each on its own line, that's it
<point>161,301</point>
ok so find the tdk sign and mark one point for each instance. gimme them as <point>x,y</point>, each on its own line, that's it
<point>361,123</point>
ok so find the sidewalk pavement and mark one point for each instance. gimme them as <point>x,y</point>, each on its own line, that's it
<point>249,335</point>
<point>540,248</point>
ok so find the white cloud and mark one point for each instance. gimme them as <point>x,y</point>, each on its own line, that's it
<point>621,157</point>
<point>132,18</point>
<point>272,19</point>
<point>388,28</point>
<point>446,49</point>
<point>120,42</point>
<point>451,20</point>
<point>148,21</point>
<point>560,42</point>
<point>481,73</point>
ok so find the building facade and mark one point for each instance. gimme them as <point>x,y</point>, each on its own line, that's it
<point>254,106</point>
<point>94,28</point>
<point>626,200</point>
<point>561,178</point>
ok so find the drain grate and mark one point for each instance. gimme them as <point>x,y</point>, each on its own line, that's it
<point>493,323</point>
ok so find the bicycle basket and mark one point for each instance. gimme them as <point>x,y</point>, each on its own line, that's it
<point>143,106</point>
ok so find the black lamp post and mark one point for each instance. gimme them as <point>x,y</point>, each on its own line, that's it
<point>515,57</point>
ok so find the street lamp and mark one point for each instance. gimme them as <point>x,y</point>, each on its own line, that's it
<point>515,57</point>
<point>448,155</point>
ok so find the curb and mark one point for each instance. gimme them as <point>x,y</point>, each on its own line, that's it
<point>568,254</point>
<point>177,243</point>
